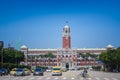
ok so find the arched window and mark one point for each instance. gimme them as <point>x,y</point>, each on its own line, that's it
<point>66,56</point>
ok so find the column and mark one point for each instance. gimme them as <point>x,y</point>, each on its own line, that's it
<point>35,62</point>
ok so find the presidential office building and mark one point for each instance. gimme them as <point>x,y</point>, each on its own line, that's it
<point>65,57</point>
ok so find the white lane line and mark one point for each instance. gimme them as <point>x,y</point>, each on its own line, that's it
<point>72,78</point>
<point>106,78</point>
<point>15,78</point>
<point>114,79</point>
<point>89,78</point>
<point>48,78</point>
<point>31,78</point>
<point>39,78</point>
<point>98,78</point>
<point>56,78</point>
<point>64,78</point>
<point>24,78</point>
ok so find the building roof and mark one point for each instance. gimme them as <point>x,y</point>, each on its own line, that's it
<point>66,26</point>
<point>23,46</point>
<point>91,49</point>
<point>110,46</point>
<point>42,49</point>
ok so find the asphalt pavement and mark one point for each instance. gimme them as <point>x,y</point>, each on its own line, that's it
<point>69,75</point>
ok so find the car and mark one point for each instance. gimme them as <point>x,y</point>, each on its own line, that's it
<point>72,69</point>
<point>19,72</point>
<point>78,68</point>
<point>49,70</point>
<point>27,71</point>
<point>32,70</point>
<point>3,71</point>
<point>90,68</point>
<point>56,70</point>
<point>38,71</point>
<point>64,69</point>
<point>12,71</point>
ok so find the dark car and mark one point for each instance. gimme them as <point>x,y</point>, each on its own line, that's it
<point>38,71</point>
<point>3,71</point>
<point>19,72</point>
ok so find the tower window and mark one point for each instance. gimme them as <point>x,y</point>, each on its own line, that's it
<point>66,55</point>
<point>66,31</point>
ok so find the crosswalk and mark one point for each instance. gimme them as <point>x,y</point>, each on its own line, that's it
<point>55,78</point>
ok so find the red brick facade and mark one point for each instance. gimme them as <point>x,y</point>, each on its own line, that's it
<point>66,42</point>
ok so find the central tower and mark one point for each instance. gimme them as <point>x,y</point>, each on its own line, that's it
<point>66,37</point>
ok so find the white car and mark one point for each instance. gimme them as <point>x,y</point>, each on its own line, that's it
<point>90,69</point>
<point>49,70</point>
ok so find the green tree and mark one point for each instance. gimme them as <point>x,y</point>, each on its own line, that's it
<point>111,59</point>
<point>48,55</point>
<point>12,55</point>
<point>88,55</point>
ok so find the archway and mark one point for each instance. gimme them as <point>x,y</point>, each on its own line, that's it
<point>67,66</point>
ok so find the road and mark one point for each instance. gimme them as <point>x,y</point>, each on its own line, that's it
<point>69,75</point>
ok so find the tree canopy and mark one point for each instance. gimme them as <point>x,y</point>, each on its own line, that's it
<point>48,55</point>
<point>111,59</point>
<point>88,55</point>
<point>11,55</point>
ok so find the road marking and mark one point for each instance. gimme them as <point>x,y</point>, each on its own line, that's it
<point>72,78</point>
<point>89,78</point>
<point>114,79</point>
<point>81,78</point>
<point>106,78</point>
<point>31,78</point>
<point>98,78</point>
<point>40,78</point>
<point>48,78</point>
<point>15,78</point>
<point>56,78</point>
<point>24,78</point>
<point>64,78</point>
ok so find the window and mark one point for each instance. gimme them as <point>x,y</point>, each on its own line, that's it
<point>66,56</point>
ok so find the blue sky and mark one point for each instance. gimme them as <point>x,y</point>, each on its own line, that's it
<point>39,23</point>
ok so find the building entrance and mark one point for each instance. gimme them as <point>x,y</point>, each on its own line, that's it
<point>67,66</point>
